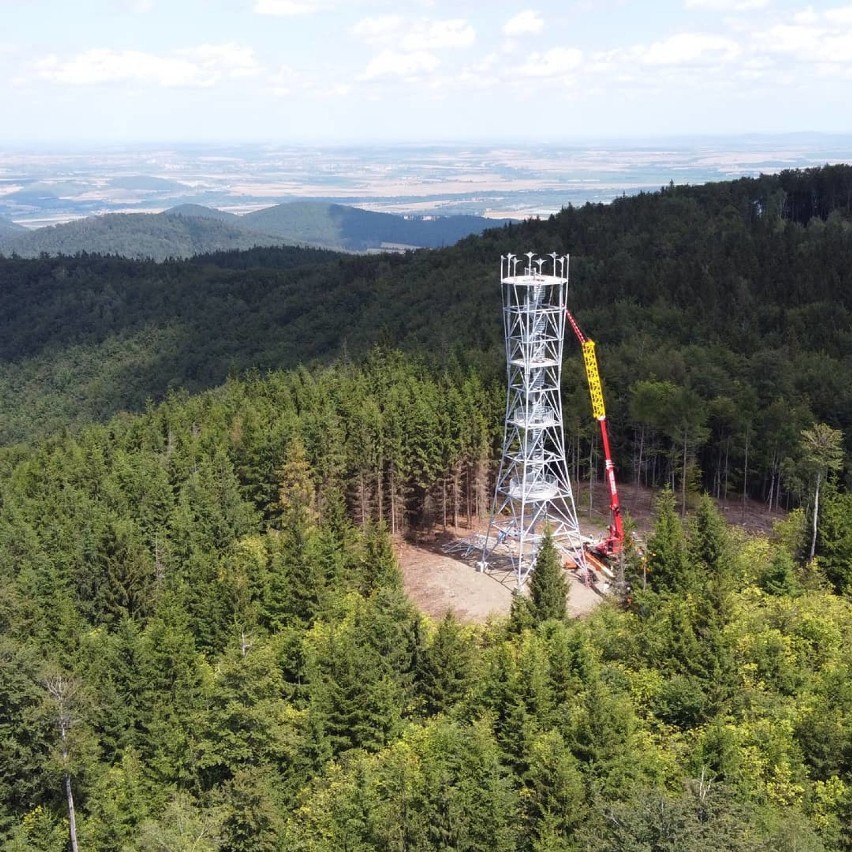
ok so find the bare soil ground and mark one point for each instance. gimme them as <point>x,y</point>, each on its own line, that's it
<point>438,581</point>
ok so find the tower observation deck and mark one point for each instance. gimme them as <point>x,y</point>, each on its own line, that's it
<point>532,492</point>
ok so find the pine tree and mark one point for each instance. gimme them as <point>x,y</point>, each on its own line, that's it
<point>445,669</point>
<point>26,734</point>
<point>554,802</point>
<point>118,802</point>
<point>711,555</point>
<point>708,549</point>
<point>548,586</point>
<point>296,492</point>
<point>668,566</point>
<point>779,576</point>
<point>380,567</point>
<point>173,692</point>
<point>253,811</point>
<point>834,543</point>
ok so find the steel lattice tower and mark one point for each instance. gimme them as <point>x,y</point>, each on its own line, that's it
<point>533,491</point>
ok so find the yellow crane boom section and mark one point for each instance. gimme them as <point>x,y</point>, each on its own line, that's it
<point>594,378</point>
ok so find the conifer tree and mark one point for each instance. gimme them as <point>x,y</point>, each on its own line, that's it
<point>548,586</point>
<point>668,566</point>
<point>711,555</point>
<point>253,811</point>
<point>379,567</point>
<point>118,802</point>
<point>554,802</point>
<point>708,550</point>
<point>834,551</point>
<point>26,733</point>
<point>445,667</point>
<point>779,576</point>
<point>295,582</point>
<point>173,692</point>
<point>296,492</point>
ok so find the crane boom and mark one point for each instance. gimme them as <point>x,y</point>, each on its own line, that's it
<point>614,543</point>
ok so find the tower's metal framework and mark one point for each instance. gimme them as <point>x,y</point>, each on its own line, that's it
<point>533,491</point>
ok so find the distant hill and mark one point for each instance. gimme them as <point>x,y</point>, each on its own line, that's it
<point>737,296</point>
<point>135,235</point>
<point>339,227</point>
<point>8,227</point>
<point>199,211</point>
<point>191,229</point>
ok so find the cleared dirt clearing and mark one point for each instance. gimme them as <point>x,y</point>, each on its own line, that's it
<point>438,582</point>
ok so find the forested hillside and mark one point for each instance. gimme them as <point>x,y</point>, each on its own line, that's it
<point>205,641</point>
<point>722,315</point>
<point>205,645</point>
<point>135,235</point>
<point>9,228</point>
<point>350,228</point>
<point>191,229</point>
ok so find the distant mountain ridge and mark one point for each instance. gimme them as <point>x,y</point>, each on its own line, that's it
<point>191,229</point>
<point>8,228</point>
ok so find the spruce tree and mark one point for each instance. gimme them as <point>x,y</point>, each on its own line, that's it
<point>445,669</point>
<point>834,542</point>
<point>668,565</point>
<point>779,575</point>
<point>548,586</point>
<point>709,550</point>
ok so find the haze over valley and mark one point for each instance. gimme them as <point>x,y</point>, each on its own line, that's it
<point>42,186</point>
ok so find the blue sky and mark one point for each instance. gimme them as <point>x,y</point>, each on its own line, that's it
<point>353,71</point>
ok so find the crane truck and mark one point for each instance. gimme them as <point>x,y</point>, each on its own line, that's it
<point>611,546</point>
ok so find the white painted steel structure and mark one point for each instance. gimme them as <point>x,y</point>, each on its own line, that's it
<point>533,491</point>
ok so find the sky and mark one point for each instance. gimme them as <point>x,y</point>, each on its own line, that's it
<point>415,71</point>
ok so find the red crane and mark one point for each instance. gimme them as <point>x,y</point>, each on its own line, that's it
<point>613,544</point>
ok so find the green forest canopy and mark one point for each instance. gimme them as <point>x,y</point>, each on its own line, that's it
<point>241,668</point>
<point>721,312</point>
<point>203,597</point>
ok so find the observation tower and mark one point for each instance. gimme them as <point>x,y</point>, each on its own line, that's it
<point>533,491</point>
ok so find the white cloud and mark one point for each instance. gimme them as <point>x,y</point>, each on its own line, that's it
<point>406,46</point>
<point>841,15</point>
<point>799,39</point>
<point>527,22</point>
<point>556,62</point>
<point>339,90</point>
<point>139,7</point>
<point>806,16</point>
<point>690,49</point>
<point>286,8</point>
<point>396,33</point>
<point>378,30</point>
<point>726,5</point>
<point>821,39</point>
<point>433,35</point>
<point>199,66</point>
<point>284,81</point>
<point>391,63</point>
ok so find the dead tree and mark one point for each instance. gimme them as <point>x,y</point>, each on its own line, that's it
<point>62,691</point>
